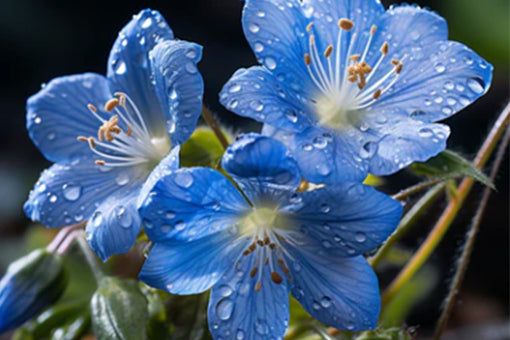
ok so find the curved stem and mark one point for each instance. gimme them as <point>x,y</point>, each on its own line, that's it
<point>470,242</point>
<point>214,126</point>
<point>62,235</point>
<point>414,189</point>
<point>90,257</point>
<point>407,222</point>
<point>450,212</point>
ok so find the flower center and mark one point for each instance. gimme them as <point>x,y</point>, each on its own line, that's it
<point>262,225</point>
<point>345,93</point>
<point>124,139</point>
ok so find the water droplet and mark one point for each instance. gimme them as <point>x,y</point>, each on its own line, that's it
<point>440,68</point>
<point>261,327</point>
<point>122,179</point>
<point>51,136</point>
<point>360,237</point>
<point>53,199</point>
<point>415,35</point>
<point>476,85</point>
<point>257,105</point>
<point>235,88</point>
<point>225,290</point>
<point>326,302</point>
<point>123,217</point>
<point>254,28</point>
<point>325,208</point>
<point>180,225</point>
<point>120,68</point>
<point>233,104</point>
<point>258,47</point>
<point>173,94</point>
<point>170,215</point>
<point>224,309</point>
<point>291,115</point>
<point>165,228</point>
<point>319,142</point>
<point>307,147</point>
<point>426,132</point>
<point>240,334</point>
<point>184,179</point>
<point>449,85</point>
<point>192,54</point>
<point>270,63</point>
<point>368,150</point>
<point>326,244</point>
<point>97,219</point>
<point>447,110</point>
<point>37,120</point>
<point>316,305</point>
<point>71,191</point>
<point>147,23</point>
<point>191,68</point>
<point>295,199</point>
<point>323,169</point>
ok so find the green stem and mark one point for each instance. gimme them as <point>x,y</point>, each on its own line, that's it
<point>470,242</point>
<point>90,257</point>
<point>450,212</point>
<point>403,194</point>
<point>407,222</point>
<point>214,126</point>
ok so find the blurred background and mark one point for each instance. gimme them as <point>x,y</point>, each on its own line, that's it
<point>42,39</point>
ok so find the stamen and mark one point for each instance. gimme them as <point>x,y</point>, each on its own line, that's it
<point>395,62</point>
<point>373,29</point>
<point>92,143</point>
<point>328,51</point>
<point>92,107</point>
<point>111,104</point>
<point>377,94</point>
<point>128,133</point>
<point>258,286</point>
<point>303,185</point>
<point>276,278</point>
<point>308,60</point>
<point>253,272</point>
<point>81,139</point>
<point>309,27</point>
<point>100,162</point>
<point>384,48</point>
<point>399,67</point>
<point>345,24</point>
<point>355,57</point>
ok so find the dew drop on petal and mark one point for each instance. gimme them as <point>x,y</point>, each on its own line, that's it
<point>184,179</point>
<point>257,105</point>
<point>224,309</point>
<point>225,290</point>
<point>122,179</point>
<point>120,68</point>
<point>240,334</point>
<point>476,85</point>
<point>258,47</point>
<point>270,63</point>
<point>440,68</point>
<point>147,23</point>
<point>123,217</point>
<point>261,327</point>
<point>326,302</point>
<point>235,88</point>
<point>71,192</point>
<point>53,199</point>
<point>97,219</point>
<point>360,237</point>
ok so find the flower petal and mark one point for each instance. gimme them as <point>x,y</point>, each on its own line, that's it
<point>345,219</point>
<point>237,311</point>
<point>324,155</point>
<point>178,85</point>
<point>448,77</point>
<point>129,67</point>
<point>69,194</point>
<point>257,94</point>
<point>276,31</point>
<point>261,166</point>
<point>191,203</point>
<point>182,267</point>
<point>58,113</point>
<point>115,224</point>
<point>341,292</point>
<point>406,142</point>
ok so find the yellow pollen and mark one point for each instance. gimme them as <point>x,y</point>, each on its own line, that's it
<point>81,139</point>
<point>111,104</point>
<point>373,29</point>
<point>92,107</point>
<point>345,24</point>
<point>384,48</point>
<point>328,51</point>
<point>277,278</point>
<point>258,286</point>
<point>377,93</point>
<point>100,162</point>
<point>303,185</point>
<point>309,27</point>
<point>308,60</point>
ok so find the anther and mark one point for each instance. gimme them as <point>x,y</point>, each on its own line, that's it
<point>276,278</point>
<point>308,60</point>
<point>395,62</point>
<point>377,93</point>
<point>129,131</point>
<point>384,48</point>
<point>260,243</point>
<point>258,286</point>
<point>312,39</point>
<point>100,162</point>
<point>253,272</point>
<point>345,24</point>
<point>328,51</point>
<point>111,104</point>
<point>272,245</point>
<point>355,57</point>
<point>309,27</point>
<point>81,139</point>
<point>92,143</point>
<point>399,67</point>
<point>373,29</point>
<point>303,185</point>
<point>266,241</point>
<point>92,107</point>
<point>252,247</point>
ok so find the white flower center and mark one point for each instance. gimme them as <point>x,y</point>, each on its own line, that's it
<point>345,93</point>
<point>124,139</point>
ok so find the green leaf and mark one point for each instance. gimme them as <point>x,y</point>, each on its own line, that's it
<point>447,165</point>
<point>188,317</point>
<point>119,310</point>
<point>386,334</point>
<point>73,330</point>
<point>202,149</point>
<point>158,326</point>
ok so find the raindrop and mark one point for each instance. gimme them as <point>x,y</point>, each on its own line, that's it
<point>320,143</point>
<point>97,219</point>
<point>184,179</point>
<point>426,132</point>
<point>225,290</point>
<point>257,105</point>
<point>125,220</point>
<point>37,120</point>
<point>147,23</point>
<point>53,199</point>
<point>170,215</point>
<point>476,85</point>
<point>261,327</point>
<point>254,28</point>
<point>224,309</point>
<point>120,68</point>
<point>192,54</point>
<point>449,86</point>
<point>173,94</point>
<point>261,14</point>
<point>307,147</point>
<point>122,179</point>
<point>270,63</point>
<point>326,302</point>
<point>447,110</point>
<point>233,104</point>
<point>179,226</point>
<point>71,191</point>
<point>235,88</point>
<point>258,47</point>
<point>291,115</point>
<point>360,237</point>
<point>440,68</point>
<point>323,169</point>
<point>368,150</point>
<point>240,334</point>
<point>191,68</point>
<point>325,208</point>
<point>51,136</point>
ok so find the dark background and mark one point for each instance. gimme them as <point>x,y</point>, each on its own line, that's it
<point>40,40</point>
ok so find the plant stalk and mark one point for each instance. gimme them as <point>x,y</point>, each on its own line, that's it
<point>214,126</point>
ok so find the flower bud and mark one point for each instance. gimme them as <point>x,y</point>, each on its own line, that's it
<point>119,310</point>
<point>30,284</point>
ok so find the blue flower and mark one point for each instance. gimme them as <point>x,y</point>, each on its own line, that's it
<point>351,88</point>
<point>254,250</point>
<point>125,123</point>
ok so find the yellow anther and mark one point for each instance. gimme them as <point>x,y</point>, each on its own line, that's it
<point>355,57</point>
<point>81,139</point>
<point>312,39</point>
<point>384,48</point>
<point>92,107</point>
<point>111,104</point>
<point>303,185</point>
<point>373,29</point>
<point>277,278</point>
<point>309,27</point>
<point>377,93</point>
<point>395,62</point>
<point>308,60</point>
<point>345,24</point>
<point>92,143</point>
<point>129,131</point>
<point>328,51</point>
<point>258,286</point>
<point>100,162</point>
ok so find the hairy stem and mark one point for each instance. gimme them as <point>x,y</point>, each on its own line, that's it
<point>90,257</point>
<point>214,126</point>
<point>450,212</point>
<point>403,194</point>
<point>62,236</point>
<point>470,242</point>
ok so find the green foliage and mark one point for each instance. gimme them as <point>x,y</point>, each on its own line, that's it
<point>202,149</point>
<point>187,315</point>
<point>386,334</point>
<point>448,165</point>
<point>119,310</point>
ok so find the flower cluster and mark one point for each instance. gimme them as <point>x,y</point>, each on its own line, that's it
<point>345,89</point>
